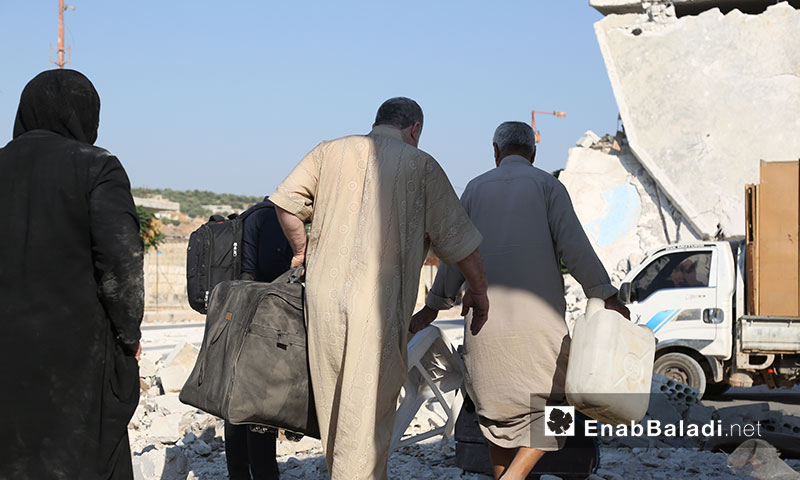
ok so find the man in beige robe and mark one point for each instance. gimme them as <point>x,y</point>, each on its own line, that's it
<point>518,363</point>
<point>377,203</point>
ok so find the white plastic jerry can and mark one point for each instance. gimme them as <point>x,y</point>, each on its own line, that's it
<point>610,366</point>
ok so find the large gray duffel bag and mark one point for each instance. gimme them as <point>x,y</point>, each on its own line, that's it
<point>253,364</point>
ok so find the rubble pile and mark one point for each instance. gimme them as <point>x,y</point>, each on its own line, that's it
<point>682,457</point>
<point>173,441</point>
<point>673,403</point>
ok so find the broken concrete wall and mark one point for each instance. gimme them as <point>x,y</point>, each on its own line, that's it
<point>683,7</point>
<point>624,212</point>
<point>703,99</point>
<point>622,209</point>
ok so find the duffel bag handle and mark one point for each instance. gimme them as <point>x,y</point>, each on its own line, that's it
<point>293,275</point>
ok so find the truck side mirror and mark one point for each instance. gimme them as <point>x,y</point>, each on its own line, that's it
<point>713,316</point>
<point>625,293</point>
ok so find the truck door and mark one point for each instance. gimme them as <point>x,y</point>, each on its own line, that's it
<point>675,295</point>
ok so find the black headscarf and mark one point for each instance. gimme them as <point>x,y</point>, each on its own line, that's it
<point>60,101</point>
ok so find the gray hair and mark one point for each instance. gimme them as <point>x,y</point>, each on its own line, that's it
<point>400,112</point>
<point>515,137</point>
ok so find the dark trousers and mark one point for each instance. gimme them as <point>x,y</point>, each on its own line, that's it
<point>249,453</point>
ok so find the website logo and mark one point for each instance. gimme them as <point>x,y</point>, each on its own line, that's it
<point>559,421</point>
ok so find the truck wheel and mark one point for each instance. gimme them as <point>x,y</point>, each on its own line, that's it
<point>683,369</point>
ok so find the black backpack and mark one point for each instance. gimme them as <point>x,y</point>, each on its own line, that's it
<point>214,255</point>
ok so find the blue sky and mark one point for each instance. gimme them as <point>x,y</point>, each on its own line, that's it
<point>228,96</point>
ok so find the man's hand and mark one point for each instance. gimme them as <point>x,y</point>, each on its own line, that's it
<point>135,349</point>
<point>298,259</point>
<point>422,319</point>
<point>479,303</point>
<point>295,231</point>
<point>613,303</point>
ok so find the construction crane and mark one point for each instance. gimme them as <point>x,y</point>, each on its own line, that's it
<point>555,113</point>
<point>60,60</point>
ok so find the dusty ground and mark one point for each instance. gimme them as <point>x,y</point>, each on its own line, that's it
<point>170,440</point>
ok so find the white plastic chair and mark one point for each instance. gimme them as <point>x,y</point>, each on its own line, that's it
<point>435,372</point>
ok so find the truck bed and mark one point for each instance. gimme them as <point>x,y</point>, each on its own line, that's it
<point>769,334</point>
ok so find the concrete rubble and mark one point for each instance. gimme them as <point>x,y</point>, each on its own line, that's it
<point>672,402</point>
<point>761,460</point>
<point>665,457</point>
<point>171,373</point>
<point>173,441</point>
<point>623,210</point>
<point>711,94</point>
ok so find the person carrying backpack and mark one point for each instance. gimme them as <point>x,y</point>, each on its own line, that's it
<point>266,255</point>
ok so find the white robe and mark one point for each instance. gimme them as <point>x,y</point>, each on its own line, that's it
<point>377,204</point>
<point>517,363</point>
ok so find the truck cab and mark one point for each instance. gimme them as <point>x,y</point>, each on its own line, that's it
<point>693,298</point>
<point>686,295</point>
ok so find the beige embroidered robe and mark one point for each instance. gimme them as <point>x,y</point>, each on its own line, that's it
<point>377,204</point>
<point>517,363</point>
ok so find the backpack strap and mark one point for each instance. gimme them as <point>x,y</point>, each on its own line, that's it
<point>257,206</point>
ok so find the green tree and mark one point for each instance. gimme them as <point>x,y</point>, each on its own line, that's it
<point>149,228</point>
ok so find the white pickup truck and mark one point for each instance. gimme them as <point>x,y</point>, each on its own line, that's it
<point>726,313</point>
<point>692,297</point>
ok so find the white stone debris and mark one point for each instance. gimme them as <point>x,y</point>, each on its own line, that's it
<point>173,370</point>
<point>170,440</point>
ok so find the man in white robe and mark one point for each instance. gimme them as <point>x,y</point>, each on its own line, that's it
<point>518,363</point>
<point>376,203</point>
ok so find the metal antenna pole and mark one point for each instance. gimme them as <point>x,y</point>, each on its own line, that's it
<point>60,57</point>
<point>60,54</point>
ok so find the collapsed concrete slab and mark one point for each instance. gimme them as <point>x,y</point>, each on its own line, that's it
<point>703,99</point>
<point>683,7</point>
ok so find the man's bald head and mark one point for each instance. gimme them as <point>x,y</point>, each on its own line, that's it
<point>399,112</point>
<point>514,138</point>
<point>403,114</point>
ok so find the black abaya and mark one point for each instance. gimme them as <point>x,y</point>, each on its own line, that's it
<point>71,290</point>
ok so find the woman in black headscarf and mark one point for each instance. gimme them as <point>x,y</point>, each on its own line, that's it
<point>71,291</point>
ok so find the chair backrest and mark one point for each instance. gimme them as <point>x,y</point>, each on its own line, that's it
<point>435,373</point>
